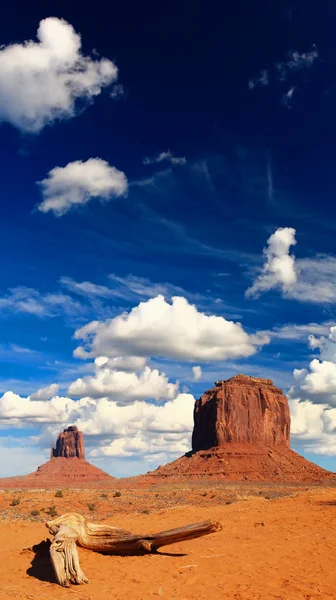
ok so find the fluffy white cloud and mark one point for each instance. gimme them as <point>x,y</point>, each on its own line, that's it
<point>313,399</point>
<point>306,420</point>
<point>318,383</point>
<point>177,330</point>
<point>141,429</point>
<point>41,81</point>
<point>197,373</point>
<point>78,182</point>
<point>15,409</point>
<point>313,427</point>
<point>45,393</point>
<point>305,279</point>
<point>124,387</point>
<point>165,156</point>
<point>279,268</point>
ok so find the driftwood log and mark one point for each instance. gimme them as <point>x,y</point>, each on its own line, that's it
<point>73,529</point>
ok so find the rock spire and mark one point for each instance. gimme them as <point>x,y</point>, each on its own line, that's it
<point>69,444</point>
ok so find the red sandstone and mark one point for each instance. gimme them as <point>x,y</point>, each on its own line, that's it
<point>241,410</point>
<point>69,444</point>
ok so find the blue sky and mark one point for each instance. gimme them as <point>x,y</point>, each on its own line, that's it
<point>149,154</point>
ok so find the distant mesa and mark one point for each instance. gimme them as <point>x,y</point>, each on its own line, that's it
<point>242,432</point>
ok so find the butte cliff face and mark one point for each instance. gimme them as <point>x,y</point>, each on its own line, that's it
<point>69,444</point>
<point>242,410</point>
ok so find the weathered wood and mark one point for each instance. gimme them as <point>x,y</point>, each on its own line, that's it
<point>64,557</point>
<point>72,528</point>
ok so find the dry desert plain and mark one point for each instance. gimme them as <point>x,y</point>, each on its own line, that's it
<point>277,542</point>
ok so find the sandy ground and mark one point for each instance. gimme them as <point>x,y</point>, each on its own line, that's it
<point>271,546</point>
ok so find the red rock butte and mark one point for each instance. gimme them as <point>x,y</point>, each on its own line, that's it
<point>67,467</point>
<point>242,432</point>
<point>69,444</point>
<point>242,410</point>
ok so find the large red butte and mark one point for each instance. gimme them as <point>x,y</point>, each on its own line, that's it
<point>242,410</point>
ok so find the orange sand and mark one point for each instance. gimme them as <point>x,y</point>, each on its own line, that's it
<point>277,548</point>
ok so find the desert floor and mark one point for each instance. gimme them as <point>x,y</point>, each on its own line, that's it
<point>276,543</point>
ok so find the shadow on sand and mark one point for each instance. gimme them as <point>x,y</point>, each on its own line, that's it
<point>41,567</point>
<point>327,503</point>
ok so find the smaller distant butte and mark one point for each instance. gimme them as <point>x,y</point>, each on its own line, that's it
<point>69,444</point>
<point>67,467</point>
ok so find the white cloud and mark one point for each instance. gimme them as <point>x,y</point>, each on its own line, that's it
<point>122,363</point>
<point>42,81</point>
<point>325,345</point>
<point>306,420</point>
<point>165,156</point>
<point>30,301</point>
<point>78,182</point>
<point>306,279</point>
<point>129,288</point>
<point>288,97</point>
<point>279,268</point>
<point>313,427</point>
<point>142,429</point>
<point>312,399</point>
<point>317,280</point>
<point>124,387</point>
<point>177,330</point>
<point>87,288</point>
<point>286,71</point>
<point>15,410</point>
<point>296,61</point>
<point>317,383</point>
<point>45,393</point>
<point>197,373</point>
<point>142,286</point>
<point>261,79</point>
<point>292,331</point>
